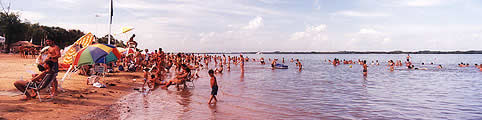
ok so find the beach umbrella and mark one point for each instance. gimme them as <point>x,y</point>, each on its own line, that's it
<point>72,50</point>
<point>96,53</point>
<point>126,29</point>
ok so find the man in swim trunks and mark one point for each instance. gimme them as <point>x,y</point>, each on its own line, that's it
<point>214,87</point>
<point>241,65</point>
<point>53,54</point>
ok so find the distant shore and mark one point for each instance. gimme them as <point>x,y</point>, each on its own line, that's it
<point>355,52</point>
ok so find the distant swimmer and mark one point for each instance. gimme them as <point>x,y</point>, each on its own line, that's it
<point>391,65</point>
<point>409,64</point>
<point>298,63</point>
<point>408,57</point>
<point>273,63</point>
<point>261,60</point>
<point>439,67</point>
<point>365,69</point>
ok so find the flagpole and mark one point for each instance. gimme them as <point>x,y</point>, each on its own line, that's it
<point>110,21</point>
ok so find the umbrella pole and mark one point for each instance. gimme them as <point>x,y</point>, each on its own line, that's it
<point>63,78</point>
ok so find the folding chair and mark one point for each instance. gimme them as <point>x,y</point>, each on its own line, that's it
<point>99,70</point>
<point>39,85</point>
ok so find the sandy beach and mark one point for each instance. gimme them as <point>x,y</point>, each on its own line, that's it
<point>76,101</point>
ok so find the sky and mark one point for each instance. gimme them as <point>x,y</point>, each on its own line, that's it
<point>271,25</point>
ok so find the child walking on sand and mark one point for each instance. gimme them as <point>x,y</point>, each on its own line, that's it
<point>214,87</point>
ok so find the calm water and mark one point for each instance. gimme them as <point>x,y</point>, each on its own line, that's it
<point>322,91</point>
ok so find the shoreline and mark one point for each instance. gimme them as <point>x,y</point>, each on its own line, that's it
<point>76,101</point>
<point>353,52</point>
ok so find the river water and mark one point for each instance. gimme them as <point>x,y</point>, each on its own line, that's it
<point>323,91</point>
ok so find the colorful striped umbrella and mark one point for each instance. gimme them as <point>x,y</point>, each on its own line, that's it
<point>97,53</point>
<point>82,42</point>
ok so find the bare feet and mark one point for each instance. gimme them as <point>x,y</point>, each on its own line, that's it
<point>33,93</point>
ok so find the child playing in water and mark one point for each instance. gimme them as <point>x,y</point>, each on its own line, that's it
<point>214,87</point>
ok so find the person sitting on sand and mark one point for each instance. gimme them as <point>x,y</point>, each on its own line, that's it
<point>21,85</point>
<point>214,86</point>
<point>180,77</point>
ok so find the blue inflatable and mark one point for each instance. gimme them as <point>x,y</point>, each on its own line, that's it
<point>280,66</point>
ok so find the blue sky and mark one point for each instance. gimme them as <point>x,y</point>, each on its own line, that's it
<point>269,25</point>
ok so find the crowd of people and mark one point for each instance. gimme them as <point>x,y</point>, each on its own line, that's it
<point>157,65</point>
<point>392,64</point>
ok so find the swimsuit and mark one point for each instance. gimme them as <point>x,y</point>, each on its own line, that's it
<point>214,90</point>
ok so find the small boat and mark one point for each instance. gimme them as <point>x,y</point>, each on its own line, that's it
<point>280,66</point>
<point>259,53</point>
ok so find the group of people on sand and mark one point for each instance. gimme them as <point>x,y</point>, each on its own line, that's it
<point>28,52</point>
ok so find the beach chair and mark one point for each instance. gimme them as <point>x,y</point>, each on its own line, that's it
<point>99,70</point>
<point>39,85</point>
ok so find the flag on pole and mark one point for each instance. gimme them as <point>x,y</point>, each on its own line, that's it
<point>111,10</point>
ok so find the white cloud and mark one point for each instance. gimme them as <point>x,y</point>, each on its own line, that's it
<point>369,38</point>
<point>312,38</point>
<point>317,5</point>
<point>254,23</point>
<point>368,31</point>
<point>236,38</point>
<point>30,15</point>
<point>310,33</point>
<point>422,3</point>
<point>350,13</point>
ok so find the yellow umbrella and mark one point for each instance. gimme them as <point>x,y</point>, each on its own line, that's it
<point>126,29</point>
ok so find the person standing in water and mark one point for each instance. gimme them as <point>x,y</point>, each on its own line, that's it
<point>391,64</point>
<point>298,63</point>
<point>365,69</point>
<point>214,87</point>
<point>241,65</point>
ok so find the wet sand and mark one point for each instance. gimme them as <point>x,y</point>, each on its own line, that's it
<point>76,101</point>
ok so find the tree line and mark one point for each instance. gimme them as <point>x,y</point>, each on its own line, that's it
<point>14,30</point>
